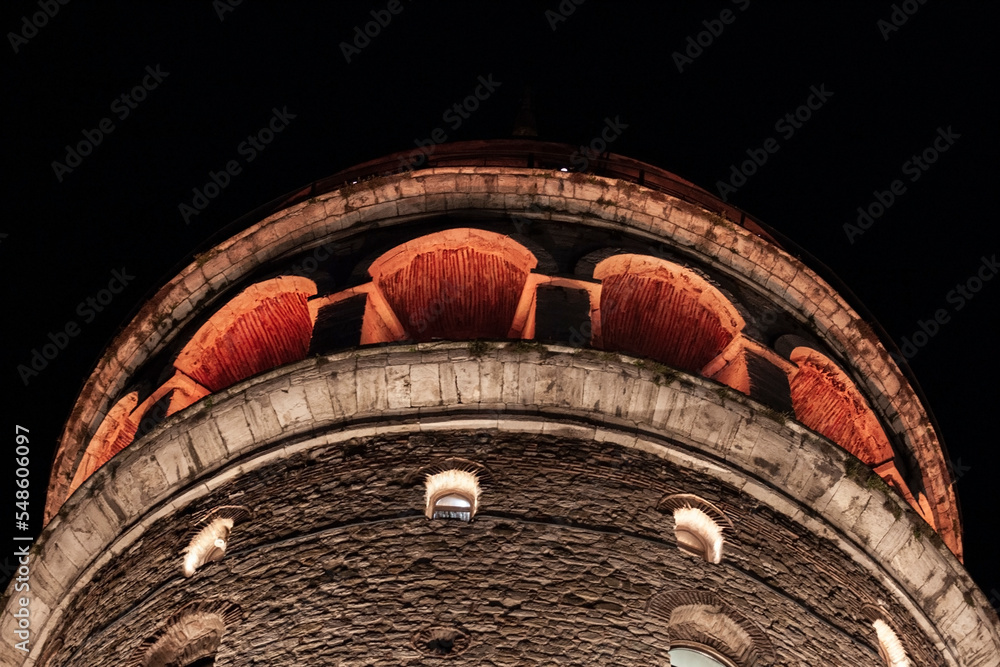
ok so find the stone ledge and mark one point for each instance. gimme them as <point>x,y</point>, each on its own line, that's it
<point>503,188</point>
<point>694,420</point>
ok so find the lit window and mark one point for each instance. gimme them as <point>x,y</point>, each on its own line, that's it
<point>698,534</point>
<point>209,543</point>
<point>689,657</point>
<point>208,546</point>
<point>889,646</point>
<point>452,494</point>
<point>191,638</point>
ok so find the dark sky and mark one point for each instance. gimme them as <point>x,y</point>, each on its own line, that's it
<point>888,93</point>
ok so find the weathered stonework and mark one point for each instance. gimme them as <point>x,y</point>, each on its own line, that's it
<point>571,556</point>
<point>578,482</point>
<point>662,218</point>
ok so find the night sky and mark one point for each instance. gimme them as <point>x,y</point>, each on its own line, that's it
<point>901,112</point>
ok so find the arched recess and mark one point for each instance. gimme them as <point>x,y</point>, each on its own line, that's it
<point>126,421</point>
<point>700,618</point>
<point>657,309</point>
<point>825,400</point>
<point>700,527</point>
<point>191,637</point>
<point>265,326</point>
<point>113,435</point>
<point>458,284</point>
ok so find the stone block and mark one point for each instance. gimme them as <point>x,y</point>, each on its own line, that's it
<point>397,386</point>
<point>425,385</point>
<point>290,406</point>
<point>261,417</point>
<point>467,381</point>
<point>230,423</point>
<point>371,390</point>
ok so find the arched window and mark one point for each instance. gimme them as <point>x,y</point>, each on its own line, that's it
<point>704,631</point>
<point>191,638</point>
<point>452,494</point>
<point>699,526</point>
<point>683,656</point>
<point>698,534</point>
<point>211,537</point>
<point>889,645</point>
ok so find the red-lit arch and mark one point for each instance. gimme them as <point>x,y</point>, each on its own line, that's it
<point>113,435</point>
<point>457,284</point>
<point>657,309</point>
<point>265,326</point>
<point>123,423</point>
<point>825,400</point>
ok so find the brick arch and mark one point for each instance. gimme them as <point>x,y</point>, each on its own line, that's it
<point>505,190</point>
<point>192,634</point>
<point>703,618</point>
<point>654,308</point>
<point>266,325</point>
<point>113,435</point>
<point>825,399</point>
<point>458,283</point>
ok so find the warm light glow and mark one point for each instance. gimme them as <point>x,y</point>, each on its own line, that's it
<point>208,546</point>
<point>452,488</point>
<point>697,523</point>
<point>653,308</point>
<point>891,647</point>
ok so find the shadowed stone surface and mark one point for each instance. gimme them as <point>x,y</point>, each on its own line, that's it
<point>340,565</point>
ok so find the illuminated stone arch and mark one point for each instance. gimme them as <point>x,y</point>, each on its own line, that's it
<point>826,400</point>
<point>191,637</point>
<point>653,308</point>
<point>265,326</point>
<point>123,423</point>
<point>702,619</point>
<point>457,284</point>
<point>113,435</point>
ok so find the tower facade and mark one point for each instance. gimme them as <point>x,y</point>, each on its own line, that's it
<point>487,409</point>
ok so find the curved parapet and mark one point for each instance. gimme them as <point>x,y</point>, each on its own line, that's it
<point>401,400</point>
<point>658,220</point>
<point>351,428</point>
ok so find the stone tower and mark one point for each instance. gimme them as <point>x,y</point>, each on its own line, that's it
<point>487,408</point>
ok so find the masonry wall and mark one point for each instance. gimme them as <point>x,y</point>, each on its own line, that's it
<point>527,194</point>
<point>340,565</point>
<point>582,446</point>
